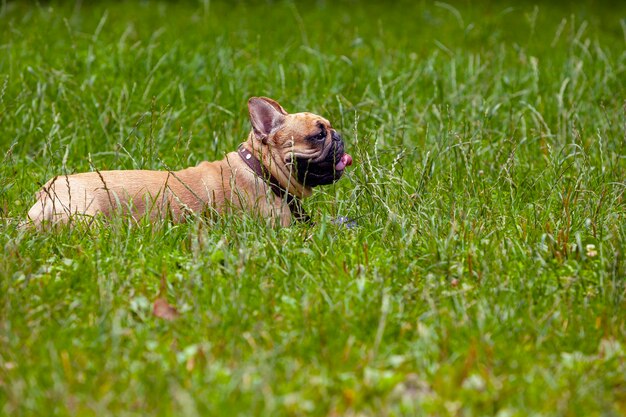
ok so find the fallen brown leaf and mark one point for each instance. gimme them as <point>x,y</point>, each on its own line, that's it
<point>162,309</point>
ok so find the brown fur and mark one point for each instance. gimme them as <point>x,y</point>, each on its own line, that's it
<point>223,186</point>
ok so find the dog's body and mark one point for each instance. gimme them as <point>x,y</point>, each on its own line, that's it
<point>297,151</point>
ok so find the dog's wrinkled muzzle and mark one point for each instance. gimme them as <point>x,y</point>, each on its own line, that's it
<point>327,167</point>
<point>342,159</point>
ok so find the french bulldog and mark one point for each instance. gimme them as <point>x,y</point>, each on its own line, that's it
<point>284,157</point>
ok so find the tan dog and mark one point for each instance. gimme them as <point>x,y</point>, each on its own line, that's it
<point>284,157</point>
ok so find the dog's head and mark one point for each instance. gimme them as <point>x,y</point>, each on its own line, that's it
<point>305,143</point>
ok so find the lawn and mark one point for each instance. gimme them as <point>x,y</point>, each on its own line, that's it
<point>485,275</point>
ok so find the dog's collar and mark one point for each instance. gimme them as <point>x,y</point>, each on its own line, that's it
<point>294,203</point>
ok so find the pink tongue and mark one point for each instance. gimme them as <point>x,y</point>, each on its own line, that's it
<point>346,160</point>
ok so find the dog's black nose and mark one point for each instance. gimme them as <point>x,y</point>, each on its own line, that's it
<point>336,136</point>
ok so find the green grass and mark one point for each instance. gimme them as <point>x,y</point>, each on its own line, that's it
<point>489,142</point>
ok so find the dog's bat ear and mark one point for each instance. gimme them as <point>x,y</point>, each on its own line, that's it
<point>275,104</point>
<point>265,115</point>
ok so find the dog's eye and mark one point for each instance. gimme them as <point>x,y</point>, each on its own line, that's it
<point>320,136</point>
